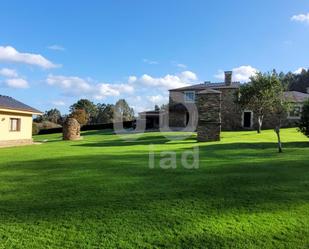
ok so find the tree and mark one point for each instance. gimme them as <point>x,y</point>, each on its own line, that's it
<point>304,121</point>
<point>105,113</point>
<point>123,110</point>
<point>297,81</point>
<point>261,95</point>
<point>53,115</point>
<point>279,110</point>
<point>164,107</point>
<point>87,105</point>
<point>81,116</point>
<point>156,108</point>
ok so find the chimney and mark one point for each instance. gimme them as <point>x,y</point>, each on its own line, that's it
<point>228,78</point>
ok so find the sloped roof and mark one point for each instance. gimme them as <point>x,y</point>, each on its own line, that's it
<point>297,97</point>
<point>208,90</point>
<point>7,102</point>
<point>149,113</point>
<point>204,86</point>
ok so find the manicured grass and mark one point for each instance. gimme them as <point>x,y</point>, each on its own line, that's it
<point>100,193</point>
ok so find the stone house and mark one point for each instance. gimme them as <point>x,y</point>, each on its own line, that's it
<point>15,122</point>
<point>208,96</point>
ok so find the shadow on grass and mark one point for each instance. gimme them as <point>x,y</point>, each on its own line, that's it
<point>146,140</point>
<point>110,183</point>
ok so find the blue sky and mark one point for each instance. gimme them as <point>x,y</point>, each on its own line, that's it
<point>52,54</point>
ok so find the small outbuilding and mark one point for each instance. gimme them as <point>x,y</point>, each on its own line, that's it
<point>151,118</point>
<point>15,122</point>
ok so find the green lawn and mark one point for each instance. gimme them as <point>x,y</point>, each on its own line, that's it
<point>100,193</point>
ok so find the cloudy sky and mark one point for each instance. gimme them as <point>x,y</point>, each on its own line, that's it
<point>52,54</point>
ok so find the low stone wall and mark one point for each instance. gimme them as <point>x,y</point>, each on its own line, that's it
<point>12,143</point>
<point>208,132</point>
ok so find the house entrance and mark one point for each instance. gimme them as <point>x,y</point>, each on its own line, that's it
<point>247,120</point>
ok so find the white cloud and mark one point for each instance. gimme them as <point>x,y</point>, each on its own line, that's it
<point>9,73</point>
<point>303,18</point>
<point>242,73</point>
<point>299,70</point>
<point>56,47</point>
<point>150,62</point>
<point>142,93</point>
<point>158,99</point>
<point>10,54</point>
<point>183,66</point>
<point>16,83</point>
<point>188,76</point>
<point>58,102</point>
<point>132,79</point>
<point>75,86</point>
<point>72,84</point>
<point>166,82</point>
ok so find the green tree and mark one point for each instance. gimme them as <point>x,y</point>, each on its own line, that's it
<point>89,107</point>
<point>263,94</point>
<point>164,107</point>
<point>52,115</point>
<point>122,109</point>
<point>81,116</point>
<point>298,82</point>
<point>304,121</point>
<point>156,108</point>
<point>105,113</point>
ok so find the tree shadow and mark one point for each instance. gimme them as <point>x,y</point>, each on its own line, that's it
<point>145,140</point>
<point>125,181</point>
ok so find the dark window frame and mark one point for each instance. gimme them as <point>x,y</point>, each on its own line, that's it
<point>18,125</point>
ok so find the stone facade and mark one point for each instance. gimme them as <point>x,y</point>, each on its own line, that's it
<point>232,116</point>
<point>230,113</point>
<point>209,120</point>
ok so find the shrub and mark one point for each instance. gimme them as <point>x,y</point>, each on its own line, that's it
<point>304,121</point>
<point>35,129</point>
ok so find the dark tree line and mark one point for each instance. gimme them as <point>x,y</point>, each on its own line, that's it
<point>296,82</point>
<point>86,112</point>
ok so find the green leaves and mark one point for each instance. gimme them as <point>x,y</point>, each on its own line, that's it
<point>304,122</point>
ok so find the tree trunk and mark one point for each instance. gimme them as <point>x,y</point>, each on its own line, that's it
<point>277,130</point>
<point>260,123</point>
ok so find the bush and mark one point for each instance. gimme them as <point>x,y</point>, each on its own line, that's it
<point>304,121</point>
<point>35,128</point>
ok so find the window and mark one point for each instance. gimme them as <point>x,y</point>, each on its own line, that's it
<point>190,97</point>
<point>295,112</point>
<point>14,124</point>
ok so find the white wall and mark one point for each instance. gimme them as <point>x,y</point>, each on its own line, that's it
<point>25,126</point>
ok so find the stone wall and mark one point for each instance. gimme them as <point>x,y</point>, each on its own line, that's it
<point>231,114</point>
<point>177,118</point>
<point>19,142</point>
<point>209,120</point>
